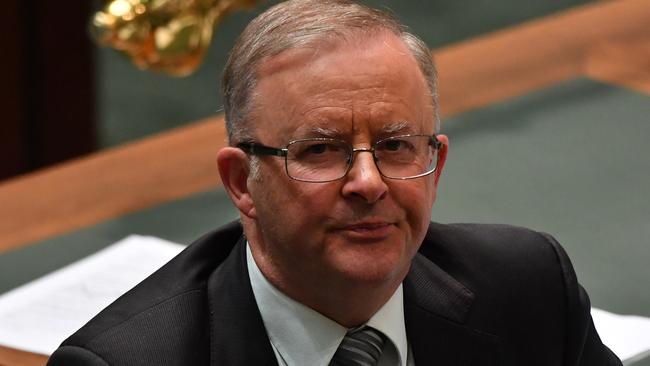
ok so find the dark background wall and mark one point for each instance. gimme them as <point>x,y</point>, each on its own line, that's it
<point>47,88</point>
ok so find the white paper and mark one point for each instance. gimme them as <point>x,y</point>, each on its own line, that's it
<point>38,316</point>
<point>626,335</point>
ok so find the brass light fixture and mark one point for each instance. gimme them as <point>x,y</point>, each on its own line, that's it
<point>170,36</point>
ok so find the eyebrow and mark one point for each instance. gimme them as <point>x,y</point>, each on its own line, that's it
<point>333,132</point>
<point>396,127</point>
<point>324,132</point>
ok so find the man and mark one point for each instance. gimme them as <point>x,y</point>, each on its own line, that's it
<point>333,163</point>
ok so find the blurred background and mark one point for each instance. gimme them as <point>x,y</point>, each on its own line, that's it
<point>567,153</point>
<point>63,96</point>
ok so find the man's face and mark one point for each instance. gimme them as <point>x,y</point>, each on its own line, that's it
<point>363,228</point>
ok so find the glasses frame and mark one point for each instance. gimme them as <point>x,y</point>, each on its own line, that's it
<point>256,148</point>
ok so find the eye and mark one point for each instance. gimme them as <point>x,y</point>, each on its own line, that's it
<point>393,145</point>
<point>310,149</point>
<point>316,149</point>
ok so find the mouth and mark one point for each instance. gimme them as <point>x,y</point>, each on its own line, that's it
<point>367,230</point>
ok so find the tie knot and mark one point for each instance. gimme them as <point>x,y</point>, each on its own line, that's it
<point>359,347</point>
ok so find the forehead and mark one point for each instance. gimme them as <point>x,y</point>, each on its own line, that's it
<point>363,85</point>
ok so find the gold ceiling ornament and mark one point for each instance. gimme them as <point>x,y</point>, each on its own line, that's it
<point>171,36</point>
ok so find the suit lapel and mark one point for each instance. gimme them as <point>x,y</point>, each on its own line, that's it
<point>436,308</point>
<point>237,333</point>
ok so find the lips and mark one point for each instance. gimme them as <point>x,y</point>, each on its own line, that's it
<point>364,226</point>
<point>367,230</point>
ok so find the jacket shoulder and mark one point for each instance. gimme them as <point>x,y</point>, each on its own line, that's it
<point>525,291</point>
<point>502,262</point>
<point>492,246</point>
<point>163,319</point>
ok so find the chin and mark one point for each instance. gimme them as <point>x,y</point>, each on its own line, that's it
<point>374,270</point>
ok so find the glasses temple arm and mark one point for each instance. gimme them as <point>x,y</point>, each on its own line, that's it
<point>254,148</point>
<point>436,143</point>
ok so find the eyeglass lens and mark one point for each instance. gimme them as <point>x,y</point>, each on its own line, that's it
<point>321,160</point>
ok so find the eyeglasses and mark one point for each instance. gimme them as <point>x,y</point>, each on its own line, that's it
<point>321,160</point>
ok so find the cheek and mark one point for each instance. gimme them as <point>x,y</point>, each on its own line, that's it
<point>297,205</point>
<point>269,191</point>
<point>419,195</point>
<point>430,192</point>
<point>418,201</point>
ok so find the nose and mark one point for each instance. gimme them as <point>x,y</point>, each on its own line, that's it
<point>364,180</point>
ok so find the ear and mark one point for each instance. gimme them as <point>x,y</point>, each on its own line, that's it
<point>234,170</point>
<point>442,156</point>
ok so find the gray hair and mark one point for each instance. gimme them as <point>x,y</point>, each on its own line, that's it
<point>301,23</point>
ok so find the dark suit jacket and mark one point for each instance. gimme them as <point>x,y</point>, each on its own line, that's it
<point>475,295</point>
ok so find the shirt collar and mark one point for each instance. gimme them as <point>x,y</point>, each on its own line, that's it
<point>389,319</point>
<point>302,336</point>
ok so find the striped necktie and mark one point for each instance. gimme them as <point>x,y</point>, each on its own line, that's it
<point>360,347</point>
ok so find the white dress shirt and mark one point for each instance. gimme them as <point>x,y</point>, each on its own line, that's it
<point>301,336</point>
